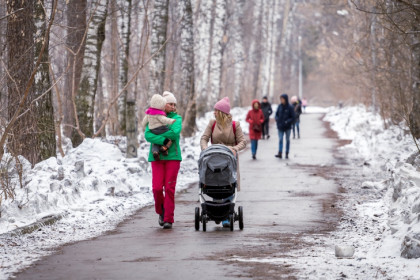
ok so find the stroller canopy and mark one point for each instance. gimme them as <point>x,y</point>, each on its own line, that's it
<point>217,166</point>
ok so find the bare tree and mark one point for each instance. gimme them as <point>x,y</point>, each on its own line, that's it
<point>187,66</point>
<point>394,62</point>
<point>158,38</point>
<point>21,130</point>
<point>125,32</point>
<point>76,27</point>
<point>84,101</point>
<point>23,138</point>
<point>42,88</point>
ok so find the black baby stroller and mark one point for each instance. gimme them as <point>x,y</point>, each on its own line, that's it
<point>217,170</point>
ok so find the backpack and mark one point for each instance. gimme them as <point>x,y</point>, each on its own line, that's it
<point>234,131</point>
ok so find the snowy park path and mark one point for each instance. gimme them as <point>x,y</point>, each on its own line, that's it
<point>283,200</point>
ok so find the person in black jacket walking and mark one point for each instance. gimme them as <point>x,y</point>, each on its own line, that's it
<point>267,111</point>
<point>285,115</point>
<point>298,111</point>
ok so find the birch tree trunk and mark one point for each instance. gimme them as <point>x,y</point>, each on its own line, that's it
<point>128,113</point>
<point>85,98</point>
<point>259,49</point>
<point>132,143</point>
<point>76,22</point>
<point>187,85</point>
<point>415,74</point>
<point>202,40</point>
<point>239,52</point>
<point>216,50</point>
<point>373,56</point>
<point>273,45</point>
<point>44,105</point>
<point>114,125</point>
<point>23,137</point>
<point>3,56</point>
<point>158,38</point>
<point>283,41</point>
<point>266,62</point>
<point>125,32</point>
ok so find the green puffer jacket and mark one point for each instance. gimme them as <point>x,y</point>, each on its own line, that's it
<point>174,152</point>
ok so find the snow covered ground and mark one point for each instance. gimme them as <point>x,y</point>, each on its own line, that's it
<point>381,205</point>
<point>94,187</point>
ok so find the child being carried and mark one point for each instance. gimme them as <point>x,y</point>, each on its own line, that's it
<point>158,124</point>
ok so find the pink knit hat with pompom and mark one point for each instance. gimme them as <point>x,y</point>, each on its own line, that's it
<point>223,105</point>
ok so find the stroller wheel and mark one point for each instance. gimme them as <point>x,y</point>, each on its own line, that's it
<point>241,217</point>
<point>204,221</point>
<point>232,221</point>
<point>197,218</point>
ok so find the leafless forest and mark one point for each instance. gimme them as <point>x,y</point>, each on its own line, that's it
<point>86,68</point>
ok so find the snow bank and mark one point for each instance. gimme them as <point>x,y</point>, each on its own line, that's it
<point>387,211</point>
<point>381,208</point>
<point>392,150</point>
<point>94,187</point>
<point>370,141</point>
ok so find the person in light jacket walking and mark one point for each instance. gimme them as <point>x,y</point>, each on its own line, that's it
<point>223,130</point>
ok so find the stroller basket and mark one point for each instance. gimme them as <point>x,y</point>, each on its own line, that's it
<point>219,192</point>
<point>218,211</point>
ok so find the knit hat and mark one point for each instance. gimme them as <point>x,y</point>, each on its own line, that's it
<point>158,102</point>
<point>223,105</point>
<point>294,99</point>
<point>169,96</point>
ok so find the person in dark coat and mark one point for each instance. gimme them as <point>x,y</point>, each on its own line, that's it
<point>298,111</point>
<point>255,118</point>
<point>267,111</point>
<point>285,115</point>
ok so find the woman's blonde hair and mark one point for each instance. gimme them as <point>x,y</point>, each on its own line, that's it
<point>222,118</point>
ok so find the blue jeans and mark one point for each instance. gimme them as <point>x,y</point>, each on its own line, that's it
<point>296,124</point>
<point>287,134</point>
<point>254,146</point>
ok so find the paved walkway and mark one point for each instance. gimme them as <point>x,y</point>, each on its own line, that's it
<point>282,200</point>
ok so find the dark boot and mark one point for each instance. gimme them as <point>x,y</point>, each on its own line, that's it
<point>287,155</point>
<point>161,222</point>
<point>167,225</point>
<point>278,155</point>
<point>254,157</point>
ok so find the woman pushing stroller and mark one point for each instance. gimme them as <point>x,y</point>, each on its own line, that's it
<point>223,130</point>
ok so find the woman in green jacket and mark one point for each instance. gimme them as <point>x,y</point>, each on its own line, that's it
<point>165,171</point>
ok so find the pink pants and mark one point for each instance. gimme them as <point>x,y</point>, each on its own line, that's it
<point>164,174</point>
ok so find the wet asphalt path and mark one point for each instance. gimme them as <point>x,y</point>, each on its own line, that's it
<point>282,201</point>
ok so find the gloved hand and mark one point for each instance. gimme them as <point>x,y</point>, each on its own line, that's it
<point>167,142</point>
